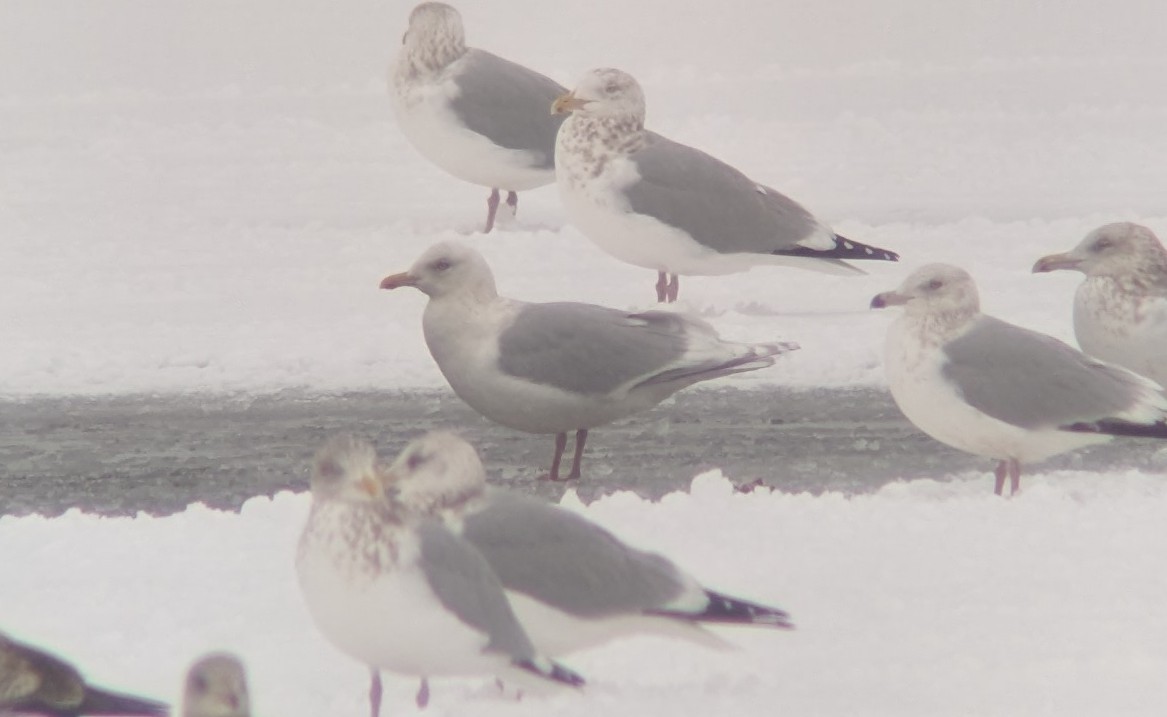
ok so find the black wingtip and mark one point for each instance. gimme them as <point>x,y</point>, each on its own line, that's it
<point>1121,428</point>
<point>729,610</point>
<point>844,249</point>
<point>552,671</point>
<point>100,702</point>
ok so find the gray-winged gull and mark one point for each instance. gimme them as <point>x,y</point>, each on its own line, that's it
<point>1000,391</point>
<point>572,583</point>
<point>1120,310</point>
<point>216,686</point>
<point>656,203</point>
<point>560,367</point>
<point>481,118</point>
<point>33,681</point>
<point>404,594</point>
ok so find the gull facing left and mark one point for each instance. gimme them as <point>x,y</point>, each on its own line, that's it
<point>402,594</point>
<point>560,367</point>
<point>998,390</point>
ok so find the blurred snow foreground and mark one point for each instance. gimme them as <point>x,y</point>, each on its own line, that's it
<point>924,598</point>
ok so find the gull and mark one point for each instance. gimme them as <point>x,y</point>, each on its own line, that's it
<point>401,594</point>
<point>1120,310</point>
<point>560,367</point>
<point>481,118</point>
<point>216,686</point>
<point>33,681</point>
<point>573,584</point>
<point>665,206</point>
<point>1001,391</point>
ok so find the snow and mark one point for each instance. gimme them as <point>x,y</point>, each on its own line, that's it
<point>202,196</point>
<point>924,598</point>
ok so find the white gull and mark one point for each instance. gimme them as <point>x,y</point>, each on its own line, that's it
<point>402,594</point>
<point>998,390</point>
<point>1120,310</point>
<point>481,118</point>
<point>560,367</point>
<point>656,203</point>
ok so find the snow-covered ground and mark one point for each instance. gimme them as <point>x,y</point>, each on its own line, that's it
<point>923,599</point>
<point>202,196</point>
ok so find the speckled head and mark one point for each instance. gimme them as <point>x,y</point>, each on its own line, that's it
<point>934,289</point>
<point>345,468</point>
<point>216,686</point>
<point>440,469</point>
<point>435,36</point>
<point>1119,249</point>
<point>605,92</point>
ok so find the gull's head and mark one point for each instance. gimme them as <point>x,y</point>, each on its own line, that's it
<point>1119,249</point>
<point>345,468</point>
<point>435,36</point>
<point>216,686</point>
<point>435,470</point>
<point>605,92</point>
<point>933,289</point>
<point>447,269</point>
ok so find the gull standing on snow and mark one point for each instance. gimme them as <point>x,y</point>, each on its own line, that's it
<point>665,206</point>
<point>1000,391</point>
<point>481,118</point>
<point>1120,310</point>
<point>35,682</point>
<point>402,594</point>
<point>560,367</point>
<point>572,583</point>
<point>216,686</point>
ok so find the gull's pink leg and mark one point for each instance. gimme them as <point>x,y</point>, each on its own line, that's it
<point>662,287</point>
<point>581,437</point>
<point>375,691</point>
<point>513,203</point>
<point>1014,476</point>
<point>674,287</point>
<point>560,444</point>
<point>491,210</point>
<point>423,694</point>
<point>1002,467</point>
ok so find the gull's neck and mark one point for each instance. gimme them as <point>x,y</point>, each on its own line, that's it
<point>588,142</point>
<point>1148,276</point>
<point>435,498</point>
<point>935,328</point>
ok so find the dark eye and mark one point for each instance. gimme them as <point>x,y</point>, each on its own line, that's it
<point>442,265</point>
<point>611,88</point>
<point>933,285</point>
<point>415,460</point>
<point>200,683</point>
<point>1102,244</point>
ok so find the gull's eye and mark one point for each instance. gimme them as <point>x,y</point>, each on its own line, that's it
<point>415,461</point>
<point>934,285</point>
<point>611,88</point>
<point>200,683</point>
<point>1102,244</point>
<point>442,265</point>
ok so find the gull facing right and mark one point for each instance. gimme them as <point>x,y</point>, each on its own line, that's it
<point>656,203</point>
<point>1001,391</point>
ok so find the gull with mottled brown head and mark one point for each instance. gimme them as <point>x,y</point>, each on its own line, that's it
<point>35,682</point>
<point>402,593</point>
<point>216,686</point>
<point>560,367</point>
<point>1001,391</point>
<point>656,203</point>
<point>1120,310</point>
<point>481,118</point>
